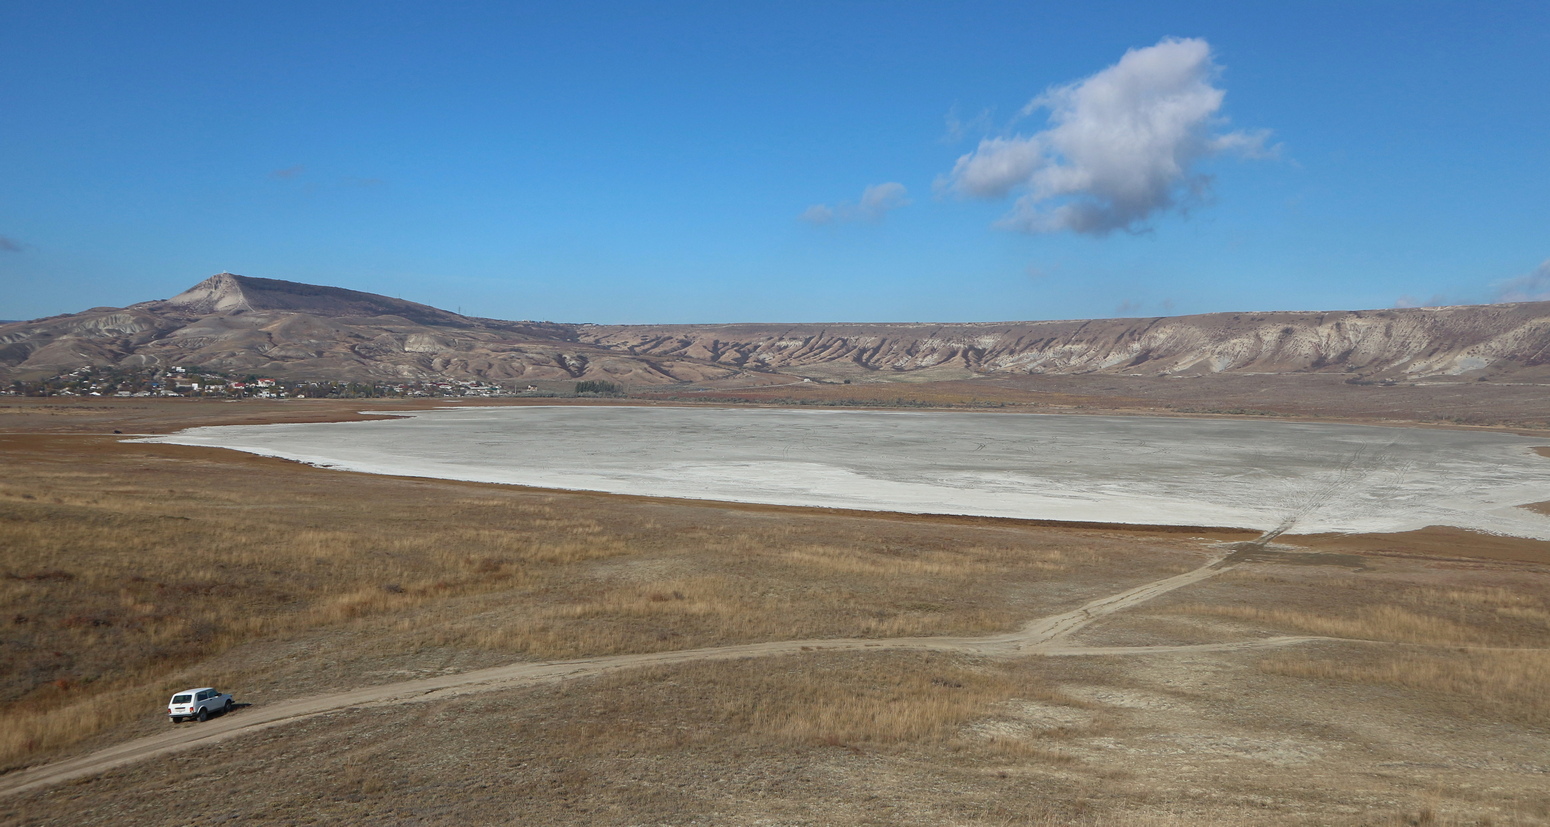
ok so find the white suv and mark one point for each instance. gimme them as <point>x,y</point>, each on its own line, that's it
<point>198,703</point>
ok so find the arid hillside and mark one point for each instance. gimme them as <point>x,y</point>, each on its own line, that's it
<point>241,324</point>
<point>1495,340</point>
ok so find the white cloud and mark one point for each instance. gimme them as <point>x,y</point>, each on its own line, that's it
<point>1534,287</point>
<point>876,201</point>
<point>999,165</point>
<point>1120,146</point>
<point>818,214</point>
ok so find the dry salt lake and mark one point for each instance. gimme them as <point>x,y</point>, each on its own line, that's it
<point>1164,471</point>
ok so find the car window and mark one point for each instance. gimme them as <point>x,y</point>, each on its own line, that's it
<point>182,699</point>
<point>205,695</point>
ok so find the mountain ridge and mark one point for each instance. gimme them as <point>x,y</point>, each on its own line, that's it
<point>295,330</point>
<point>1411,341</point>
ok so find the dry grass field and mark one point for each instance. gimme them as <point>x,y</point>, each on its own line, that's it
<point>129,571</point>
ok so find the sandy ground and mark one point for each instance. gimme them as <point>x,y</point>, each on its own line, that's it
<point>1311,478</point>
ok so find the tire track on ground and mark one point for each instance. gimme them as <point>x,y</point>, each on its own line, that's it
<point>1044,636</point>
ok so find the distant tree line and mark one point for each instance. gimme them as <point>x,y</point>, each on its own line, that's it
<point>597,387</point>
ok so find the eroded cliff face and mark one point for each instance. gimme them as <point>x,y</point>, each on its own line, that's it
<point>285,329</point>
<point>296,345</point>
<point>1411,342</point>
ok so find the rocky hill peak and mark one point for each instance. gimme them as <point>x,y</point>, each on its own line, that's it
<point>230,293</point>
<point>220,293</point>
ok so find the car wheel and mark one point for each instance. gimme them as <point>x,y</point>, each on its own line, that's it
<point>227,708</point>
<point>204,715</point>
<point>177,720</point>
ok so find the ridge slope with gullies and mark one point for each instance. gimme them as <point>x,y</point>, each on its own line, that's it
<point>242,324</point>
<point>1410,343</point>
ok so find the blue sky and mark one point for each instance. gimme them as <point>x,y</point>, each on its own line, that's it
<point>823,161</point>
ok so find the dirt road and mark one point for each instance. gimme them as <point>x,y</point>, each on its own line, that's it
<point>1044,636</point>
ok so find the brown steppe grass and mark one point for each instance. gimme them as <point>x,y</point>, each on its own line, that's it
<point>1481,648</point>
<point>125,563</point>
<point>129,571</point>
<point>1502,685</point>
